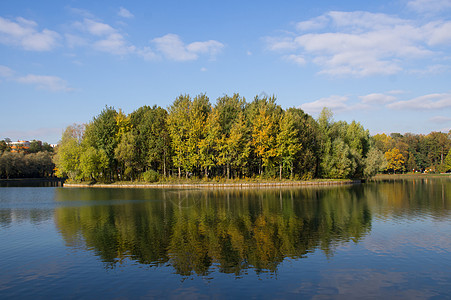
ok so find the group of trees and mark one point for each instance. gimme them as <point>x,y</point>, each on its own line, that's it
<point>34,162</point>
<point>231,139</point>
<point>416,152</point>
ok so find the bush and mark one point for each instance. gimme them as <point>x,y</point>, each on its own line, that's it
<point>150,176</point>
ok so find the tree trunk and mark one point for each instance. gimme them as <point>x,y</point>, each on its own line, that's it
<point>228,171</point>
<point>180,173</point>
<point>280,171</point>
<point>164,164</point>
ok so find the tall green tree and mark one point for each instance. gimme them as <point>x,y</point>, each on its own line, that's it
<point>225,115</point>
<point>288,142</point>
<point>102,133</point>
<point>126,155</point>
<point>68,152</point>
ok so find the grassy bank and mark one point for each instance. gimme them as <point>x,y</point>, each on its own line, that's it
<point>212,183</point>
<point>409,176</point>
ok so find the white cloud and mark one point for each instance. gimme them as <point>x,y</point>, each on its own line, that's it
<point>23,33</point>
<point>103,37</point>
<point>334,102</point>
<point>203,69</point>
<point>431,101</point>
<point>433,69</point>
<point>173,48</point>
<point>298,59</point>
<point>423,6</point>
<point>147,53</point>
<point>377,98</point>
<point>362,43</point>
<point>313,24</point>
<point>114,44</point>
<point>51,83</point>
<point>94,27</point>
<point>5,72</point>
<point>125,13</point>
<point>440,119</point>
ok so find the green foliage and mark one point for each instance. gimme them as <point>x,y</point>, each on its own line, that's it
<point>235,139</point>
<point>150,176</point>
<point>68,153</point>
<point>344,147</point>
<point>447,162</point>
<point>420,152</point>
<point>375,162</point>
<point>93,163</point>
<point>288,142</point>
<point>4,146</point>
<point>21,165</point>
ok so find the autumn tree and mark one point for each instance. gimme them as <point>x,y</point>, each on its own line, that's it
<point>395,160</point>
<point>264,114</point>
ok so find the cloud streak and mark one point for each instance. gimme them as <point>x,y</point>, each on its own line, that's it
<point>382,100</point>
<point>50,83</point>
<point>43,82</point>
<point>430,101</point>
<point>125,13</point>
<point>362,43</point>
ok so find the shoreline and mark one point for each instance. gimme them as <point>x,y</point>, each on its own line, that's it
<point>214,185</point>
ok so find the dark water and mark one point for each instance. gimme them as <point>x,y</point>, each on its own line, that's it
<point>383,239</point>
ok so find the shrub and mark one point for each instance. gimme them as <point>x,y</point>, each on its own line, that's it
<point>150,176</point>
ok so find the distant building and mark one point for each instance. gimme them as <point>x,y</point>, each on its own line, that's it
<point>19,146</point>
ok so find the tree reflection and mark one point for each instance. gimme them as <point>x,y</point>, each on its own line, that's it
<point>197,231</point>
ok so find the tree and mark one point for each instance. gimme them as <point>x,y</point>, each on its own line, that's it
<point>102,133</point>
<point>223,118</point>
<point>288,141</point>
<point>239,144</point>
<point>93,162</point>
<point>447,162</point>
<point>126,155</point>
<point>264,116</point>
<point>178,125</point>
<point>198,113</point>
<point>374,163</point>
<point>395,160</point>
<point>68,152</point>
<point>35,146</point>
<point>4,146</point>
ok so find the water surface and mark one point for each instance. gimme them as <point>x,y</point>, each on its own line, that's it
<point>383,239</point>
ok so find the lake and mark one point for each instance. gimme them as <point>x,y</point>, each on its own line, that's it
<point>387,239</point>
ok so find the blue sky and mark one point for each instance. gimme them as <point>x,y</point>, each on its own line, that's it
<point>385,64</point>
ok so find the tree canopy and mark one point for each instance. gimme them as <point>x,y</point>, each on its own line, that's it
<point>233,138</point>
